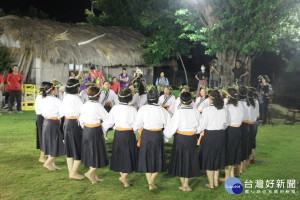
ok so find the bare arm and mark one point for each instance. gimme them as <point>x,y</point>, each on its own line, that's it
<point>245,74</point>
<point>197,77</point>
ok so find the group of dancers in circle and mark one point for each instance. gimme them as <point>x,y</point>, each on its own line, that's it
<point>217,131</point>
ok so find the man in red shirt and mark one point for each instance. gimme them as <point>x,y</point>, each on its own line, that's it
<point>94,75</point>
<point>115,85</point>
<point>14,81</point>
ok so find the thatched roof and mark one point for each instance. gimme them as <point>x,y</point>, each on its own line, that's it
<point>57,42</point>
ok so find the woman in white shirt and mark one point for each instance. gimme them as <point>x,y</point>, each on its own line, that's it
<point>233,133</point>
<point>184,161</point>
<point>52,137</point>
<point>243,92</point>
<point>254,112</point>
<point>124,149</point>
<point>212,148</point>
<point>70,110</point>
<point>93,149</point>
<point>200,99</point>
<point>167,99</point>
<point>152,118</point>
<point>39,123</point>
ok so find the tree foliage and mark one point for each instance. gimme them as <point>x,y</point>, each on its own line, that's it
<point>4,59</point>
<point>154,18</point>
<point>246,26</point>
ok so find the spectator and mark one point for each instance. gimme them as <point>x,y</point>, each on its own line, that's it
<point>239,73</point>
<point>14,81</point>
<point>264,92</point>
<point>1,86</point>
<point>215,72</point>
<point>162,81</point>
<point>96,77</point>
<point>202,77</point>
<point>85,78</point>
<point>7,89</point>
<point>124,78</point>
<point>139,78</point>
<point>115,85</point>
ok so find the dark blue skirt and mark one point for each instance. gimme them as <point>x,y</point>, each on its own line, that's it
<point>124,152</point>
<point>73,138</point>
<point>184,157</point>
<point>244,141</point>
<point>39,131</point>
<point>233,145</point>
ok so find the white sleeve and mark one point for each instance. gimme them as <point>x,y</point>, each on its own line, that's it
<point>203,122</point>
<point>103,113</point>
<point>60,108</point>
<point>227,119</point>
<point>115,99</point>
<point>138,124</point>
<point>109,121</point>
<point>82,116</point>
<point>196,103</point>
<point>172,126</point>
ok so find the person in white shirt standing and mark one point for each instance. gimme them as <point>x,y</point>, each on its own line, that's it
<point>150,121</point>
<point>214,121</point>
<point>93,150</point>
<point>52,137</point>
<point>185,125</point>
<point>243,92</point>
<point>70,110</point>
<point>233,133</point>
<point>124,149</point>
<point>39,122</point>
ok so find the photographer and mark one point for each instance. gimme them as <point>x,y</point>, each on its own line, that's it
<point>139,78</point>
<point>264,92</point>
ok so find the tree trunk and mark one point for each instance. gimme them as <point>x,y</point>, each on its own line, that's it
<point>227,60</point>
<point>186,78</point>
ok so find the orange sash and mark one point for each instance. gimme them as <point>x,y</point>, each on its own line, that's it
<point>123,129</point>
<point>199,140</point>
<point>236,126</point>
<point>92,125</point>
<point>140,133</point>
<point>166,107</point>
<point>52,118</point>
<point>72,117</point>
<point>200,111</point>
<point>186,132</point>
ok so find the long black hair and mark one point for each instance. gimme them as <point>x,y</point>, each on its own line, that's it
<point>243,93</point>
<point>216,98</point>
<point>152,96</point>
<point>233,96</point>
<point>251,97</point>
<point>48,87</point>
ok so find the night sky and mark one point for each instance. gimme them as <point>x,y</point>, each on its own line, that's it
<point>61,10</point>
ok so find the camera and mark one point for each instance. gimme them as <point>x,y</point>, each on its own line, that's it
<point>259,78</point>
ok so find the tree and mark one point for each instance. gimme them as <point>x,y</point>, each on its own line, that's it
<point>239,29</point>
<point>154,18</point>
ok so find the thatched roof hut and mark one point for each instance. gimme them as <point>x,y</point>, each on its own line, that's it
<point>44,44</point>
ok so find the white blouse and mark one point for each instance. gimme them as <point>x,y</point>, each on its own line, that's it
<point>38,104</point>
<point>92,113</point>
<point>177,104</point>
<point>236,114</point>
<point>198,101</point>
<point>135,100</point>
<point>246,116</point>
<point>151,117</point>
<point>254,112</point>
<point>121,115</point>
<point>51,106</point>
<point>163,101</point>
<point>142,101</point>
<point>83,96</point>
<point>111,98</point>
<point>214,119</point>
<point>184,119</point>
<point>71,105</point>
<point>203,105</point>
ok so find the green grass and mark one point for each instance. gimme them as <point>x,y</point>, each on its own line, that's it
<point>23,177</point>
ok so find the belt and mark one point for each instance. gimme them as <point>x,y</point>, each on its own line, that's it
<point>52,118</point>
<point>186,132</point>
<point>140,132</point>
<point>92,125</point>
<point>200,111</point>
<point>251,123</point>
<point>236,126</point>
<point>246,121</point>
<point>123,129</point>
<point>71,117</point>
<point>200,138</point>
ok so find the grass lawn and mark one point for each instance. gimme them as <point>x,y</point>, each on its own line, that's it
<point>23,177</point>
